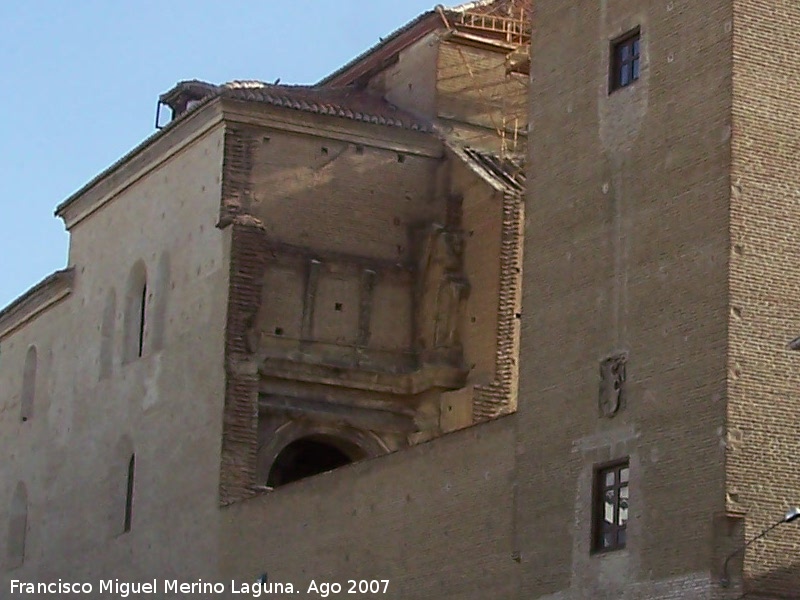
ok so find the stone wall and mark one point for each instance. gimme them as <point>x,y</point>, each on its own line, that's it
<point>91,413</point>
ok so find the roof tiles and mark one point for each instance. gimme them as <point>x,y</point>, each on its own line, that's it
<point>344,102</point>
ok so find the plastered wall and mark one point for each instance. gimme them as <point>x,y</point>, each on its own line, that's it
<point>74,452</point>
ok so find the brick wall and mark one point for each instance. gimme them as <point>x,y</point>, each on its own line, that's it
<point>500,396</point>
<point>237,168</point>
<point>240,418</point>
<point>763,376</point>
<point>339,196</point>
<point>473,88</point>
<point>626,250</point>
<point>436,520</point>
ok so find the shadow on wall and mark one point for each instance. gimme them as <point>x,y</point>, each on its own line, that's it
<point>779,583</point>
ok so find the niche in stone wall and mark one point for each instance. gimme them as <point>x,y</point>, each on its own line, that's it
<point>158,317</point>
<point>17,527</point>
<point>282,302</point>
<point>107,335</point>
<point>336,308</point>
<point>392,315</point>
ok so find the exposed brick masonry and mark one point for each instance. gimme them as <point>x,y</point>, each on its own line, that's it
<point>237,166</point>
<point>500,396</point>
<point>763,443</point>
<point>249,255</point>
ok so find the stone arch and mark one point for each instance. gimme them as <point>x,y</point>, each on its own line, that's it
<point>347,445</point>
<point>18,526</point>
<point>28,384</point>
<point>135,313</point>
<point>107,335</point>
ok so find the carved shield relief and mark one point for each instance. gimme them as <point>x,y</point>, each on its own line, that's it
<point>612,384</point>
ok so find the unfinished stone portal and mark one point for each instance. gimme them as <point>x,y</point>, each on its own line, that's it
<point>351,364</point>
<point>342,337</point>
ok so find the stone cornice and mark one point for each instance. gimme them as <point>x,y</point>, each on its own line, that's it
<point>36,300</point>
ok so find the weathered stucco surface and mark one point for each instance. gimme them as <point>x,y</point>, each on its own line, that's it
<point>76,447</point>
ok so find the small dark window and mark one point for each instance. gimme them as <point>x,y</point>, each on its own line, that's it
<point>142,312</point>
<point>625,60</point>
<point>135,313</point>
<point>129,494</point>
<point>338,306</point>
<point>610,514</point>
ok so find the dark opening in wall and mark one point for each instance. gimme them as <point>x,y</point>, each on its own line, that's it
<point>279,331</point>
<point>129,494</point>
<point>304,458</point>
<point>135,313</point>
<point>142,309</point>
<point>338,306</point>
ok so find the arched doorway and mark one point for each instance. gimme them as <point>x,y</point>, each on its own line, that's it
<point>309,456</point>
<point>299,449</point>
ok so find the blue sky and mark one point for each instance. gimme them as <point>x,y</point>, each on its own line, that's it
<point>82,78</point>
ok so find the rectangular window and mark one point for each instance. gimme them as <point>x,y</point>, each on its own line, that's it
<point>625,60</point>
<point>610,511</point>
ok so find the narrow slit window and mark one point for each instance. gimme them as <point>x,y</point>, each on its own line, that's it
<point>129,494</point>
<point>136,314</point>
<point>142,312</point>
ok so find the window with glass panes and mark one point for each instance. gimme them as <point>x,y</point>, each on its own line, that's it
<point>625,60</point>
<point>610,516</point>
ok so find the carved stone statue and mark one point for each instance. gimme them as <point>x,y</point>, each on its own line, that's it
<point>442,289</point>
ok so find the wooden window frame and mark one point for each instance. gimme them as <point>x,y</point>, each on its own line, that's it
<point>616,64</point>
<point>617,531</point>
